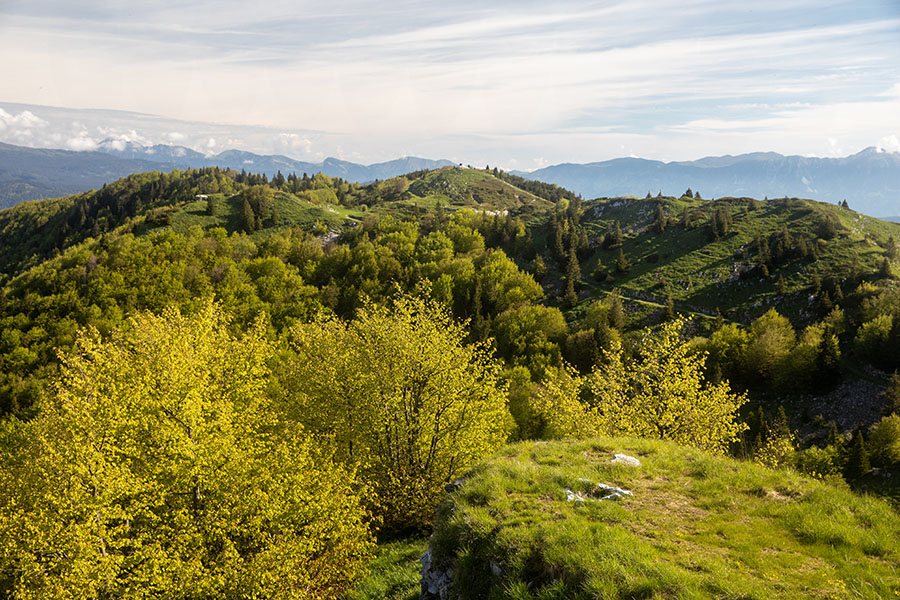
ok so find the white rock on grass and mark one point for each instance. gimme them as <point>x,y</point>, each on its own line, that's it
<point>624,459</point>
<point>610,492</point>
<point>574,496</point>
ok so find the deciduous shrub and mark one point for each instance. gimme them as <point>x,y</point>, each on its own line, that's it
<point>404,399</point>
<point>158,469</point>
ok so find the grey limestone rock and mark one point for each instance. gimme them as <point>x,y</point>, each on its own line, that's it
<point>624,459</point>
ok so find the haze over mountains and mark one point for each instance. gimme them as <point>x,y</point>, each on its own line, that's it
<point>32,173</point>
<point>869,180</point>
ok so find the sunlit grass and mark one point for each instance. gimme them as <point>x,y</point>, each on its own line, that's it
<point>697,527</point>
<point>394,575</point>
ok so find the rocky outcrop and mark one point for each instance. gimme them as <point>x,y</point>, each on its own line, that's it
<point>436,582</point>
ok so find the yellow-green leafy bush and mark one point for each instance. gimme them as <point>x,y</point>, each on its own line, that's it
<point>158,469</point>
<point>404,399</point>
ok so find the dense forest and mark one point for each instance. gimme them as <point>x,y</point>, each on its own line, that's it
<point>218,385</point>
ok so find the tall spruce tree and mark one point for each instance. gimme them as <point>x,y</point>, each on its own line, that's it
<point>858,463</point>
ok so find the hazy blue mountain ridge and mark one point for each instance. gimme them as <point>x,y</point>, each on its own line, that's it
<point>271,164</point>
<point>33,173</point>
<point>869,180</point>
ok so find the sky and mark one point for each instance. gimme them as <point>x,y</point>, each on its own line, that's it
<point>518,84</point>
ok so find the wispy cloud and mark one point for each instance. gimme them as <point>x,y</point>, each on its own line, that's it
<point>580,80</point>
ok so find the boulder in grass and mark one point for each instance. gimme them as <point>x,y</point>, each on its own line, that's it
<point>624,459</point>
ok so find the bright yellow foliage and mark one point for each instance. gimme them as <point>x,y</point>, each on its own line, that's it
<point>662,394</point>
<point>158,469</point>
<point>404,399</point>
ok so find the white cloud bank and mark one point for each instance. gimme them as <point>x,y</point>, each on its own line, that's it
<point>504,83</point>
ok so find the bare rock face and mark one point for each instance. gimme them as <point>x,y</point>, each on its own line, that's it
<point>435,582</point>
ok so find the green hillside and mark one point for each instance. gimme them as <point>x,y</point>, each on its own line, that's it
<point>826,245</point>
<point>696,527</point>
<point>470,187</point>
<point>33,231</point>
<point>565,300</point>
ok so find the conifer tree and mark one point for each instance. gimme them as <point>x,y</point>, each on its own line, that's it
<point>780,288</point>
<point>600,273</point>
<point>835,439</point>
<point>613,237</point>
<point>659,225</point>
<point>670,306</point>
<point>884,270</point>
<point>248,217</point>
<point>570,298</point>
<point>621,263</point>
<point>858,463</point>
<point>573,269</point>
<point>540,268</point>
<point>616,310</point>
<point>892,395</point>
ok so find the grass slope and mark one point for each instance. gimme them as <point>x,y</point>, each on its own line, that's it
<point>394,574</point>
<point>699,271</point>
<point>293,211</point>
<point>460,187</point>
<point>698,526</point>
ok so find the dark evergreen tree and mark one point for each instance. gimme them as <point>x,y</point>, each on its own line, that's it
<point>248,217</point>
<point>659,224</point>
<point>621,263</point>
<point>892,395</point>
<point>714,225</point>
<point>570,298</point>
<point>858,463</point>
<point>540,268</point>
<point>780,288</point>
<point>828,360</point>
<point>616,314</point>
<point>670,306</point>
<point>884,270</point>
<point>600,273</point>
<point>573,269</point>
<point>835,439</point>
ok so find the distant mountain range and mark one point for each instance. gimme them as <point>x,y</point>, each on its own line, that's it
<point>31,173</point>
<point>271,164</point>
<point>868,180</point>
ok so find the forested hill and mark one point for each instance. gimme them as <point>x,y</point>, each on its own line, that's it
<point>35,230</point>
<point>33,173</point>
<point>542,272</point>
<point>380,340</point>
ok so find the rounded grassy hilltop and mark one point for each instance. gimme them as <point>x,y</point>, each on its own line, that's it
<point>530,524</point>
